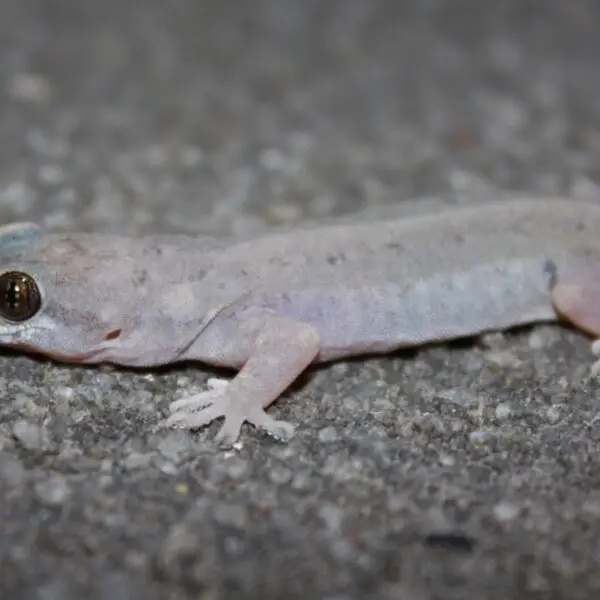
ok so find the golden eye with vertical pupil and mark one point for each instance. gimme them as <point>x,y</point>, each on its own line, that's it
<point>20,297</point>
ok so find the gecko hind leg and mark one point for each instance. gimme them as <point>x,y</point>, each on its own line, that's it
<point>282,350</point>
<point>576,297</point>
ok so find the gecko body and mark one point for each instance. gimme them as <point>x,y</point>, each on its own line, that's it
<point>272,305</point>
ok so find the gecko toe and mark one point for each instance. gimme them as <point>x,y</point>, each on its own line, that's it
<point>229,433</point>
<point>188,405</point>
<point>194,420</point>
<point>201,400</point>
<point>215,383</point>
<point>280,430</point>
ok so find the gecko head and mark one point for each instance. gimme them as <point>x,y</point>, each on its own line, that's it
<point>26,319</point>
<point>37,309</point>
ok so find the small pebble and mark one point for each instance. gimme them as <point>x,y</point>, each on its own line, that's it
<point>53,491</point>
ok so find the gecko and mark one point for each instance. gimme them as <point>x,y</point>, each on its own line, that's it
<point>271,305</point>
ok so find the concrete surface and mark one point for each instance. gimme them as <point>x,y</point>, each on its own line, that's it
<point>463,471</point>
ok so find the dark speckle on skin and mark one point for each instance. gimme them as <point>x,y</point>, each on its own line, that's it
<point>397,246</point>
<point>279,261</point>
<point>197,276</point>
<point>520,228</point>
<point>140,276</point>
<point>286,299</point>
<point>152,251</point>
<point>74,247</point>
<point>551,271</point>
<point>459,238</point>
<point>580,226</point>
<point>334,259</point>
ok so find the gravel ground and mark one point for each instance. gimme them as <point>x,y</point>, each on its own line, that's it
<point>460,471</point>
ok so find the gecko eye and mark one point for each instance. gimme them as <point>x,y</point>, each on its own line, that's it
<point>20,297</point>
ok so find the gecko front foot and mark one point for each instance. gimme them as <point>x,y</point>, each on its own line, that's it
<point>201,409</point>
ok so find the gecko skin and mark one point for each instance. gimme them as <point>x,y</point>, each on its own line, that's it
<point>272,305</point>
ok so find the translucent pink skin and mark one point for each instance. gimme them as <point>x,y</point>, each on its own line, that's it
<point>577,298</point>
<point>272,305</point>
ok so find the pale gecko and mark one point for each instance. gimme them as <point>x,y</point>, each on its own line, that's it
<point>273,305</point>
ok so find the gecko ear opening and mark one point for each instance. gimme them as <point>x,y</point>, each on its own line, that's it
<point>112,335</point>
<point>579,304</point>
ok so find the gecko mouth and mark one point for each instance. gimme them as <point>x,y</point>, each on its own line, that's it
<point>52,354</point>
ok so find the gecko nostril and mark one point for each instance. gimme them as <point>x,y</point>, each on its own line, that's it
<point>112,335</point>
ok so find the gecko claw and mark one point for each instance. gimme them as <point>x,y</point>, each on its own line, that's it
<point>201,409</point>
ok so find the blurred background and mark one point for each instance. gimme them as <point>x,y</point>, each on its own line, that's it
<point>187,114</point>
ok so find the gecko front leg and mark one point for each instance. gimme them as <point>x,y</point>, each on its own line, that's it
<point>282,350</point>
